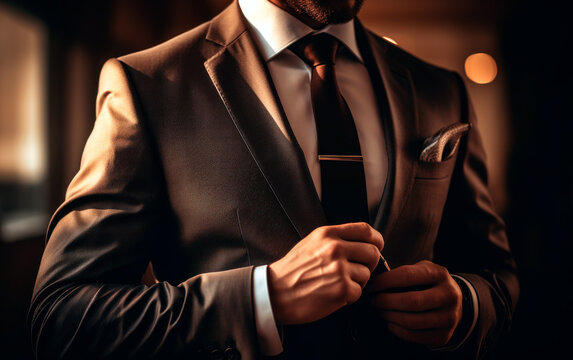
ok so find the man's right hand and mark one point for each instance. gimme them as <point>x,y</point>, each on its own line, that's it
<point>324,272</point>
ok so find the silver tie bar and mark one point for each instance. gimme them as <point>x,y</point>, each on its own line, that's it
<point>352,158</point>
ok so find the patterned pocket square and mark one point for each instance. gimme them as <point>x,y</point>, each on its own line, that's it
<point>443,144</point>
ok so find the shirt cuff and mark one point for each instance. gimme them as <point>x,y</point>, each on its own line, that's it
<point>267,332</point>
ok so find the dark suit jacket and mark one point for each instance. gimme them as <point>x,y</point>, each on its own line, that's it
<point>186,168</point>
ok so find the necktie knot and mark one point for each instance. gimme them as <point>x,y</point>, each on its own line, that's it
<point>317,50</point>
<point>343,184</point>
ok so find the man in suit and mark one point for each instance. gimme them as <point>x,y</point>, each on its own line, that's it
<point>204,162</point>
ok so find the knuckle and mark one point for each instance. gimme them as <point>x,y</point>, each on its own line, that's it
<point>375,251</point>
<point>452,296</point>
<point>442,272</point>
<point>366,273</point>
<point>428,272</point>
<point>436,271</point>
<point>353,293</point>
<point>336,271</point>
<point>456,295</point>
<point>368,231</point>
<point>426,263</point>
<point>333,249</point>
<point>364,276</point>
<point>363,226</point>
<point>363,229</point>
<point>323,231</point>
<point>374,256</point>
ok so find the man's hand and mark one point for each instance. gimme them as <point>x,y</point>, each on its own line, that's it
<point>325,271</point>
<point>422,303</point>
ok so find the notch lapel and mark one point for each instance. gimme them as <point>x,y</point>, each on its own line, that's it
<point>245,87</point>
<point>400,128</point>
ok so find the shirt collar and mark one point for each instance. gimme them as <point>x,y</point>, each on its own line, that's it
<point>275,29</point>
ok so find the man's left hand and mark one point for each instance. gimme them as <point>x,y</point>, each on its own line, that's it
<point>422,303</point>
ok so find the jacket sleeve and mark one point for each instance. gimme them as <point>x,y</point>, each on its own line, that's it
<point>88,300</point>
<point>472,242</point>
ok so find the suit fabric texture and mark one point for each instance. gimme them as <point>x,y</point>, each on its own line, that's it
<point>187,169</point>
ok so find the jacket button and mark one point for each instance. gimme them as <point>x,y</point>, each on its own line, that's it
<point>232,354</point>
<point>217,355</point>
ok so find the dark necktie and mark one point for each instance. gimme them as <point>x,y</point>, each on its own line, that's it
<point>343,183</point>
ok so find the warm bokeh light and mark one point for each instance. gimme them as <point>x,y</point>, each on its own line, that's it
<point>481,68</point>
<point>389,39</point>
<point>22,98</point>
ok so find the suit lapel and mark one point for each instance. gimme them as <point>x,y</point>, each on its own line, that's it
<point>397,106</point>
<point>243,82</point>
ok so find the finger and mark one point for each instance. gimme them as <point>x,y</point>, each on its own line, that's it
<point>359,273</point>
<point>360,231</point>
<point>421,274</point>
<point>344,290</point>
<point>354,291</point>
<point>410,301</point>
<point>362,253</point>
<point>434,337</point>
<point>439,319</point>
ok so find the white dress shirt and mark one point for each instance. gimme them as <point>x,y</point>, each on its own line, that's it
<point>274,30</point>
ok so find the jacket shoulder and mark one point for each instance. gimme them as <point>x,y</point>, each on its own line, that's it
<point>188,47</point>
<point>415,65</point>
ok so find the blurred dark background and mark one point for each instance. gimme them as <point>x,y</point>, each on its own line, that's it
<point>51,53</point>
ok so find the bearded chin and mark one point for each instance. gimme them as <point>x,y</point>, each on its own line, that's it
<point>323,13</point>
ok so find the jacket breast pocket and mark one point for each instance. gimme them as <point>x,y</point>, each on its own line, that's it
<point>435,170</point>
<point>416,229</point>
